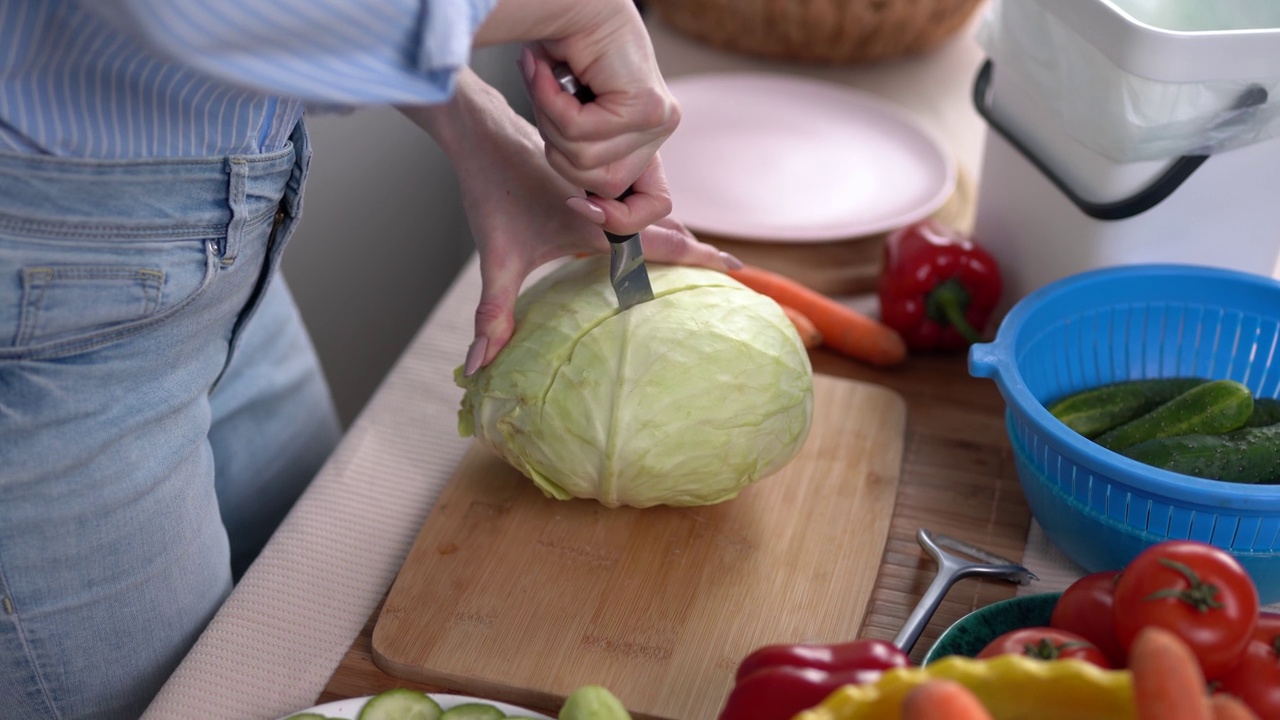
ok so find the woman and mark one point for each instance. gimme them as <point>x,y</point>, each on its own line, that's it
<point>160,404</point>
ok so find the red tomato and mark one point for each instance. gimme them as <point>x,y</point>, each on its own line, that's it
<point>1196,591</point>
<point>1045,643</point>
<point>1256,680</point>
<point>1268,630</point>
<point>1085,609</point>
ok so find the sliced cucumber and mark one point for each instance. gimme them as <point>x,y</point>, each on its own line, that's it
<point>401,704</point>
<point>308,716</point>
<point>473,711</point>
<point>593,702</point>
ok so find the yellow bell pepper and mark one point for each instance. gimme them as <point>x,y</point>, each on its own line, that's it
<point>1011,687</point>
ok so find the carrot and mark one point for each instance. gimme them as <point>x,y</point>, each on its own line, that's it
<point>1229,707</point>
<point>843,329</point>
<point>935,699</point>
<point>809,334</point>
<point>1168,683</point>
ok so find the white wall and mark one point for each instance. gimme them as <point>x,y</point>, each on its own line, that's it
<point>382,236</point>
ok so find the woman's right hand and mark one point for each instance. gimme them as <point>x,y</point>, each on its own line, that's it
<point>610,144</point>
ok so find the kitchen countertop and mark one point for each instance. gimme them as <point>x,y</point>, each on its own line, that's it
<point>296,618</point>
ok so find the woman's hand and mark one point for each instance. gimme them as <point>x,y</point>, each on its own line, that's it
<point>610,144</point>
<point>515,204</point>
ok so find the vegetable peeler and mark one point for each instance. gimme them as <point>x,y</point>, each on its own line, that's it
<point>627,271</point>
<point>950,569</point>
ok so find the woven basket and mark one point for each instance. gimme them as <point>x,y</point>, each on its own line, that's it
<point>819,31</point>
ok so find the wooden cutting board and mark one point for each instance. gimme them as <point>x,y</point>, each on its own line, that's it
<point>510,595</point>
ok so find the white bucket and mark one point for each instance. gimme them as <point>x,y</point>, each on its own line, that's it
<point>1114,141</point>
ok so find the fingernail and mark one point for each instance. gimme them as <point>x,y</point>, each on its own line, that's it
<point>586,209</point>
<point>527,65</point>
<point>730,261</point>
<point>475,355</point>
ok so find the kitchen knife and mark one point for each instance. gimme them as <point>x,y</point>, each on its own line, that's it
<point>627,271</point>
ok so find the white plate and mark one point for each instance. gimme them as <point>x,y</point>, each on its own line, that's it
<point>774,157</point>
<point>349,709</point>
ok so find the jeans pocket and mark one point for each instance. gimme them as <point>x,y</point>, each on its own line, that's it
<point>63,301</point>
<point>63,298</point>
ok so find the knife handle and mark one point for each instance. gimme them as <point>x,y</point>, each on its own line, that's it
<point>569,83</point>
<point>616,239</point>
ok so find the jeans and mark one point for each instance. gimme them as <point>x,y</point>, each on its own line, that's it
<point>161,408</point>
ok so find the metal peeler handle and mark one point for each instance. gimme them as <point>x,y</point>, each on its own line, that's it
<point>950,569</point>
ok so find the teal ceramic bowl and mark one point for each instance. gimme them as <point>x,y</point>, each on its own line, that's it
<point>968,635</point>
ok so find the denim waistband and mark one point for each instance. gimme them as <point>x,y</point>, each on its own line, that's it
<point>44,196</point>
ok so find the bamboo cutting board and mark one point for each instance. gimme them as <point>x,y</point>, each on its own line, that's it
<point>510,595</point>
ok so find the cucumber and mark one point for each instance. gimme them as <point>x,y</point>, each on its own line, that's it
<point>473,711</point>
<point>1266,411</point>
<point>401,704</point>
<point>1212,408</point>
<point>308,716</point>
<point>1250,455</point>
<point>593,702</point>
<point>1096,410</point>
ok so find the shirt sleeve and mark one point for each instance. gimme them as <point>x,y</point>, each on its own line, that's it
<point>344,52</point>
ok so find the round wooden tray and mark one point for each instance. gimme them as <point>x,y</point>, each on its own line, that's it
<point>846,267</point>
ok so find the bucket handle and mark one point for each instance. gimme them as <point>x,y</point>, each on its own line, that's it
<point>1137,203</point>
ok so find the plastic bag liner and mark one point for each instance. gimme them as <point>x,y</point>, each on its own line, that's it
<point>1131,117</point>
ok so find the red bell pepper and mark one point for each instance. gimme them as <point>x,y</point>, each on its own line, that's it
<point>778,681</point>
<point>938,287</point>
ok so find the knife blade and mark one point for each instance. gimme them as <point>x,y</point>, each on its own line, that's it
<point>627,270</point>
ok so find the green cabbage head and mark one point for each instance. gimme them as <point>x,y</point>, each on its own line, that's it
<point>683,400</point>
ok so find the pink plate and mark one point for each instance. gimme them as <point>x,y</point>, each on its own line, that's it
<point>774,157</point>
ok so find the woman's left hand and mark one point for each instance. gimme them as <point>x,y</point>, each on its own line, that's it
<point>515,204</point>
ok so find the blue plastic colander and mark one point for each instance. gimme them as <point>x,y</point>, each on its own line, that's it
<point>1129,323</point>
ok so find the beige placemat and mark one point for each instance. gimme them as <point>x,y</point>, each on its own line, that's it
<point>1055,570</point>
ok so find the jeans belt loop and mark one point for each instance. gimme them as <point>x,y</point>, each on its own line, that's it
<point>238,172</point>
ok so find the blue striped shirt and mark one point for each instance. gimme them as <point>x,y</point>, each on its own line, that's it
<point>196,78</point>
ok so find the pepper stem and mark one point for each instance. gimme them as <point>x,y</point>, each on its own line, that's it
<point>946,304</point>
